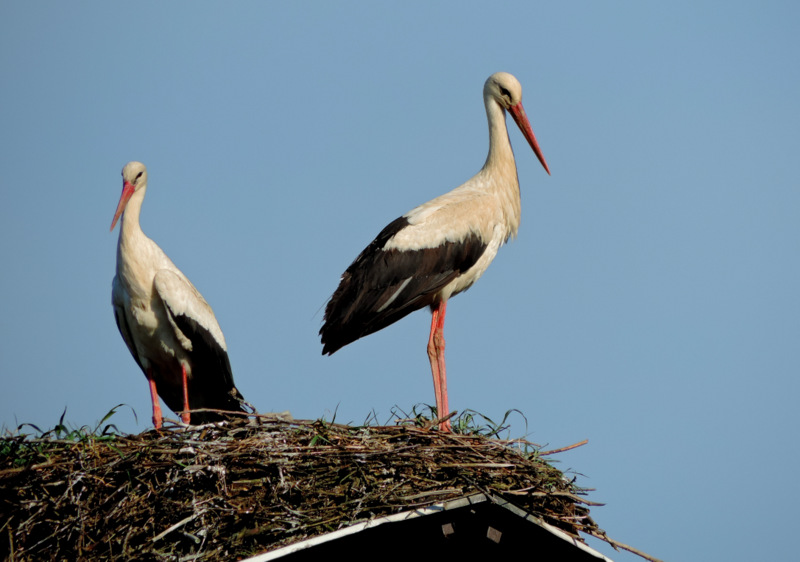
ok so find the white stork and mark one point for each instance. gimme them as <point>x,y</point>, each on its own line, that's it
<point>438,249</point>
<point>168,326</point>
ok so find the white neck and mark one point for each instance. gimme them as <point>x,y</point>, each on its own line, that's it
<point>130,217</point>
<point>500,169</point>
<point>500,152</point>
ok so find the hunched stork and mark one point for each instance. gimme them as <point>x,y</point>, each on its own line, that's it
<point>438,249</point>
<point>168,326</point>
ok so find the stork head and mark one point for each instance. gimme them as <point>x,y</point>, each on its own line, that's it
<point>506,91</point>
<point>134,178</point>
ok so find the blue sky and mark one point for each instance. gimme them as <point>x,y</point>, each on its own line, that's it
<point>649,303</point>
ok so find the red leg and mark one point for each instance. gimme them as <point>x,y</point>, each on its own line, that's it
<point>432,357</point>
<point>438,368</point>
<point>438,340</point>
<point>185,414</point>
<point>154,398</point>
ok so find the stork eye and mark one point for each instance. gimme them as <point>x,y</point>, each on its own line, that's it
<point>505,93</point>
<point>139,175</point>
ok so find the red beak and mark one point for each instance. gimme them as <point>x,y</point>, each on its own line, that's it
<point>518,113</point>
<point>127,191</point>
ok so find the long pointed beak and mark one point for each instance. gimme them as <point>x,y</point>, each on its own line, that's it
<point>521,119</point>
<point>127,191</point>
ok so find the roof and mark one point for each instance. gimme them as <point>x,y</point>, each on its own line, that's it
<point>476,526</point>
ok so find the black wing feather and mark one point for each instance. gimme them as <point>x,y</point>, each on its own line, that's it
<point>361,304</point>
<point>212,378</point>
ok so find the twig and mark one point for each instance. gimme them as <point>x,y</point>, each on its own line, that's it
<point>438,421</point>
<point>562,449</point>
<point>623,546</point>
<point>180,523</point>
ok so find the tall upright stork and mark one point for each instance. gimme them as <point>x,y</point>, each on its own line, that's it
<point>168,326</point>
<point>438,249</point>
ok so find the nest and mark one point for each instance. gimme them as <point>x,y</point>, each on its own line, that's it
<point>238,488</point>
